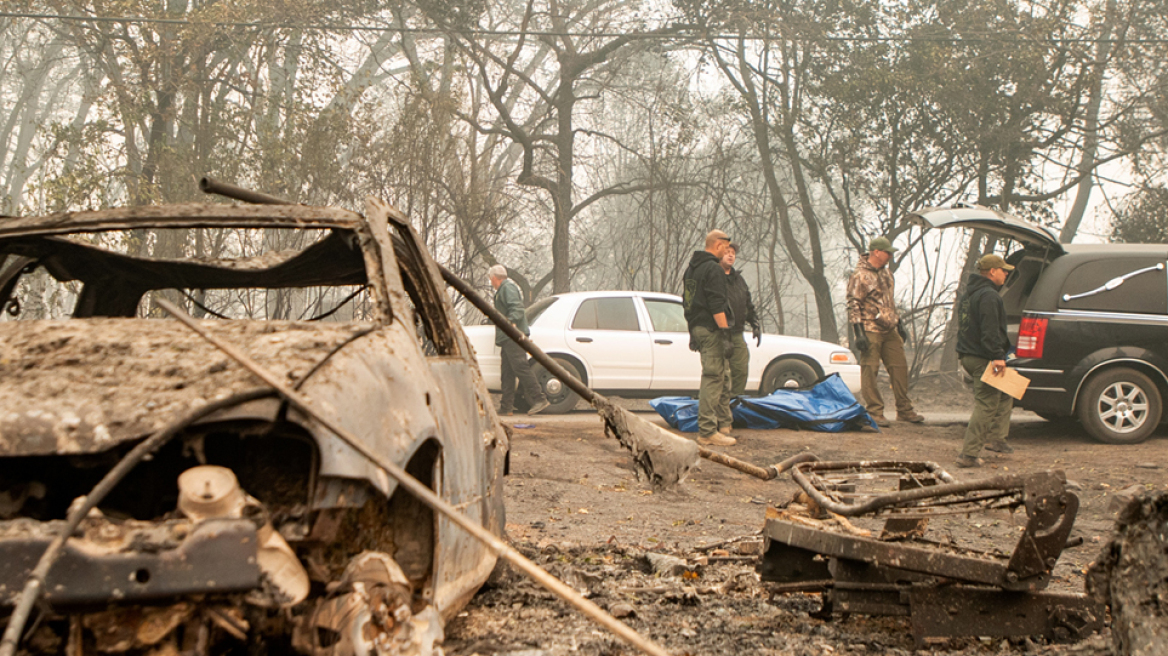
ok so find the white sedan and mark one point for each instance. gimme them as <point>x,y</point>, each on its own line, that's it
<point>635,344</point>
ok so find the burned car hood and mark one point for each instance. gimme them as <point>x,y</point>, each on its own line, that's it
<point>85,385</point>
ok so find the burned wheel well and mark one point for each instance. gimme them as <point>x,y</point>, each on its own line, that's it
<point>402,527</point>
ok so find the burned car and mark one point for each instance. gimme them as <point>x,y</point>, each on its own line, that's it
<point>254,528</point>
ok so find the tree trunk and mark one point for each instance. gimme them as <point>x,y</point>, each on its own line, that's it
<point>1090,130</point>
<point>562,198</point>
<point>776,292</point>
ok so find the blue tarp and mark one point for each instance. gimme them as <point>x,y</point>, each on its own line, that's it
<point>827,406</point>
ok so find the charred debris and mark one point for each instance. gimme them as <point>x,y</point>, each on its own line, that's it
<point>209,512</point>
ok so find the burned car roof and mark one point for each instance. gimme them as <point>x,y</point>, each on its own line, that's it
<point>184,215</point>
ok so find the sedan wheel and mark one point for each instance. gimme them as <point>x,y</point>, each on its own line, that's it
<point>1120,406</point>
<point>788,374</point>
<point>560,397</point>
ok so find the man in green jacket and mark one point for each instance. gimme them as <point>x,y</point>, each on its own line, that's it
<point>509,303</point>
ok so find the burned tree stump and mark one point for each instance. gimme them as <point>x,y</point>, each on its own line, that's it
<point>1131,577</point>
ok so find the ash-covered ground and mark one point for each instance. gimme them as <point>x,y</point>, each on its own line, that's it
<point>575,507</point>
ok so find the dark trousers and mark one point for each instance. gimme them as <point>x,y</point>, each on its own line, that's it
<point>515,366</point>
<point>990,421</point>
<point>714,393</point>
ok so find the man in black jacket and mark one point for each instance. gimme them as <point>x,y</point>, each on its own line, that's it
<point>982,342</point>
<point>742,311</point>
<point>707,316</point>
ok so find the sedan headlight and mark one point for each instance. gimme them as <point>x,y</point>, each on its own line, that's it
<point>842,357</point>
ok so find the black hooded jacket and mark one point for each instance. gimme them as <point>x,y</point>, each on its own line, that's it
<point>705,291</point>
<point>741,305</point>
<point>981,321</point>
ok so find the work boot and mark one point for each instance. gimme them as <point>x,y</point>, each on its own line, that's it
<point>539,407</point>
<point>910,416</point>
<point>881,421</point>
<point>1000,448</point>
<point>966,462</point>
<point>717,439</point>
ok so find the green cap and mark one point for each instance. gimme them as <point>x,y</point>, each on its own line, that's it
<point>881,244</point>
<point>993,261</point>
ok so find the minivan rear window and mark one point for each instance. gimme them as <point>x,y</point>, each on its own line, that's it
<point>1142,293</point>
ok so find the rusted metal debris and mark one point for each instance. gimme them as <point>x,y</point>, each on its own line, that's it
<point>859,532</point>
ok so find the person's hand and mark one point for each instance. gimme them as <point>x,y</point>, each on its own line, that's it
<point>999,367</point>
<point>756,333</point>
<point>902,332</point>
<point>860,338</point>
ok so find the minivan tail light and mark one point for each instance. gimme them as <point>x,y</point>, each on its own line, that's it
<point>1031,336</point>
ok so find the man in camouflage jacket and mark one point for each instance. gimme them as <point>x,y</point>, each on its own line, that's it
<point>877,333</point>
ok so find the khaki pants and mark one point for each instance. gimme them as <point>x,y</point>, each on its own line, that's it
<point>714,394</point>
<point>888,348</point>
<point>990,421</point>
<point>739,364</point>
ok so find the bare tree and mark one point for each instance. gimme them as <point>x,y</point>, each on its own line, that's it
<point>560,61</point>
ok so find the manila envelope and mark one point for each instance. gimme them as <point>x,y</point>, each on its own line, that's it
<point>1011,382</point>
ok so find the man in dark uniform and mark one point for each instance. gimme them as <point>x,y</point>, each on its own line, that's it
<point>982,342</point>
<point>509,303</point>
<point>742,311</point>
<point>706,313</point>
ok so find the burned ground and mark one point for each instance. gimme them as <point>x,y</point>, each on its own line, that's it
<point>575,506</point>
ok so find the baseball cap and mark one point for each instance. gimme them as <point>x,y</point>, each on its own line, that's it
<point>993,261</point>
<point>881,244</point>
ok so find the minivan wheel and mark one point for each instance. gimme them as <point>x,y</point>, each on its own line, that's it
<point>788,373</point>
<point>1120,406</point>
<point>560,396</point>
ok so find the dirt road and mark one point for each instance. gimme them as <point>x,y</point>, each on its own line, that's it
<point>574,504</point>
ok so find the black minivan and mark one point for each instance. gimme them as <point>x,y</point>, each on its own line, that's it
<point>1089,323</point>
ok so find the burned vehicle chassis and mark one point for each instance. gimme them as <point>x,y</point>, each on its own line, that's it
<point>331,555</point>
<point>946,590</point>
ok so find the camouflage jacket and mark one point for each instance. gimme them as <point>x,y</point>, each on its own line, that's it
<point>870,298</point>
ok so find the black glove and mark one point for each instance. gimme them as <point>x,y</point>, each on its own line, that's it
<point>860,338</point>
<point>727,340</point>
<point>902,332</point>
<point>757,333</point>
<point>693,343</point>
